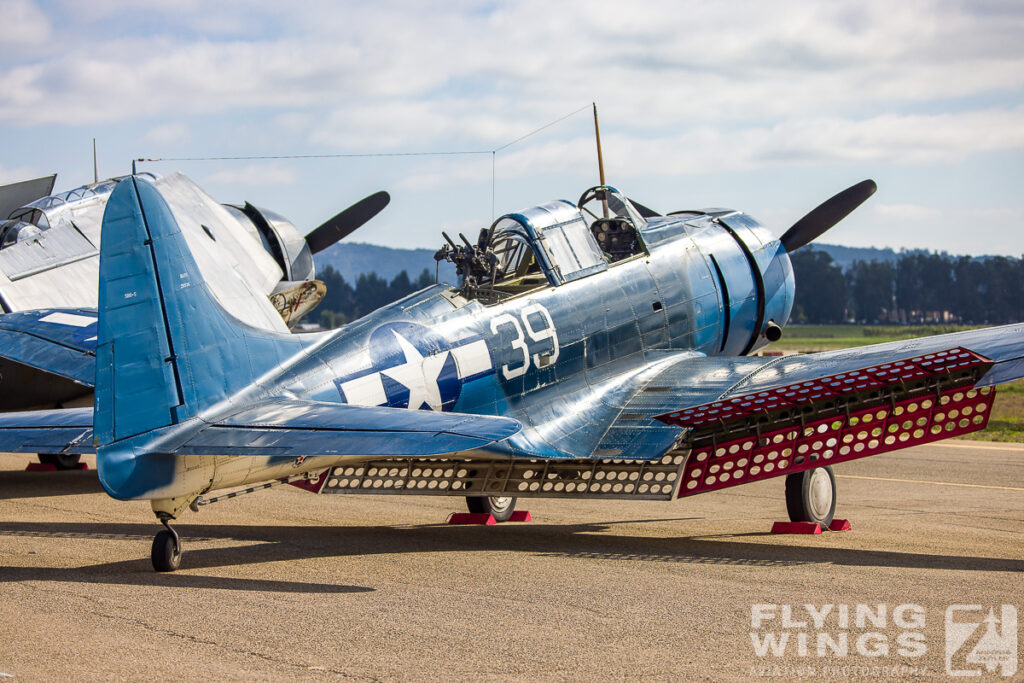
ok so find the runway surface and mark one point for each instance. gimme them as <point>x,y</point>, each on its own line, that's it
<point>286,584</point>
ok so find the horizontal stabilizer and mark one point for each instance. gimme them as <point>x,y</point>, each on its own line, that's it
<point>296,427</point>
<point>47,431</point>
<point>287,428</point>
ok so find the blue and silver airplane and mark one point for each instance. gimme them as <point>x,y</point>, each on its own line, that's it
<point>591,350</point>
<point>49,259</point>
<point>49,244</point>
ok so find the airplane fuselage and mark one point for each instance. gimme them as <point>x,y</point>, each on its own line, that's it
<point>707,285</point>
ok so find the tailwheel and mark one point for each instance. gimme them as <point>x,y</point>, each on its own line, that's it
<point>166,553</point>
<point>62,461</point>
<point>501,507</point>
<point>811,496</point>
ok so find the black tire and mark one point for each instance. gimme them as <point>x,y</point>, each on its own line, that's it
<point>811,496</point>
<point>62,461</point>
<point>501,507</point>
<point>166,553</point>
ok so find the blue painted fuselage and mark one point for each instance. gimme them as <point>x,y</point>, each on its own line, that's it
<point>708,286</point>
<point>562,358</point>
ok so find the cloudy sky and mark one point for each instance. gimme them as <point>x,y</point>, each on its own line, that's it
<point>769,107</point>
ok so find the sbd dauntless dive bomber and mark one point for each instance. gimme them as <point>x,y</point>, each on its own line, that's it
<point>596,349</point>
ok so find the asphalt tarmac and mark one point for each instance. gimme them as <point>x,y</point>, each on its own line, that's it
<point>283,583</point>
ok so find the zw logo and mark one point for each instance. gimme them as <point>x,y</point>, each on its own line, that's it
<point>544,332</point>
<point>967,644</point>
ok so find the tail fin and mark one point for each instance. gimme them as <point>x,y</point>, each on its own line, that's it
<point>166,347</point>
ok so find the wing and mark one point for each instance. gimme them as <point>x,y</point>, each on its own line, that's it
<point>632,416</point>
<point>277,428</point>
<point>46,357</point>
<point>753,418</point>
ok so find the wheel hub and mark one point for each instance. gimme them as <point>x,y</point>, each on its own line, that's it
<point>501,503</point>
<point>819,494</point>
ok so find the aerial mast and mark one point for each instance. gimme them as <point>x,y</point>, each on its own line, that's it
<point>600,159</point>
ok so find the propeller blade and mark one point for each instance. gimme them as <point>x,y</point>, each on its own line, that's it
<point>825,215</point>
<point>346,222</point>
<point>643,210</point>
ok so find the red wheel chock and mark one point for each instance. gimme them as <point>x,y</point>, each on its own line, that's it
<point>471,518</point>
<point>796,528</point>
<point>486,517</point>
<point>48,467</point>
<point>809,527</point>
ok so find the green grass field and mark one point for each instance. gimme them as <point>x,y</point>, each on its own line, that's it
<point>1007,420</point>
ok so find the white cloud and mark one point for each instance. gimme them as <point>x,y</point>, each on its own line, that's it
<point>972,216</point>
<point>374,64</point>
<point>24,26</point>
<point>686,89</point>
<point>887,139</point>
<point>16,174</point>
<point>999,215</point>
<point>957,229</point>
<point>254,175</point>
<point>435,174</point>
<point>167,134</point>
<point>905,212</point>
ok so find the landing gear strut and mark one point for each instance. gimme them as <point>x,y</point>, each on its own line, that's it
<point>811,496</point>
<point>500,507</point>
<point>166,554</point>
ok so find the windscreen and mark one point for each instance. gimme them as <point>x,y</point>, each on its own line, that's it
<point>572,248</point>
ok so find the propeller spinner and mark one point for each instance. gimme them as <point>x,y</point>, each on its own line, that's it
<point>825,215</point>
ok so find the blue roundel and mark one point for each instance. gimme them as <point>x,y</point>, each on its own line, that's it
<point>413,367</point>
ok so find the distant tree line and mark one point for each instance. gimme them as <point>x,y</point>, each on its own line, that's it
<point>920,287</point>
<point>344,303</point>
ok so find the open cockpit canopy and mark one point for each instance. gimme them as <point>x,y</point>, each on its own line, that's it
<point>546,245</point>
<point>614,222</point>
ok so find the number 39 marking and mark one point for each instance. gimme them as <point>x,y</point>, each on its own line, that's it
<point>541,359</point>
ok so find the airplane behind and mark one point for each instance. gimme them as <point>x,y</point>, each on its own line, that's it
<point>49,259</point>
<point>591,350</point>
<point>49,246</point>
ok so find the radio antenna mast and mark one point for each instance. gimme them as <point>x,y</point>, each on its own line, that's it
<point>600,159</point>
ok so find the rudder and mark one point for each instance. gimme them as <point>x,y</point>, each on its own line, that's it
<point>166,348</point>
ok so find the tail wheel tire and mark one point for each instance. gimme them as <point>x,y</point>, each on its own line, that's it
<point>501,507</point>
<point>811,496</point>
<point>166,553</point>
<point>62,461</point>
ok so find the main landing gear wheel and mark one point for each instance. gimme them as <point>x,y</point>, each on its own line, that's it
<point>811,496</point>
<point>62,461</point>
<point>501,507</point>
<point>166,554</point>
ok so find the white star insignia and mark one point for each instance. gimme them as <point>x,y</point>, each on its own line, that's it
<point>419,374</point>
